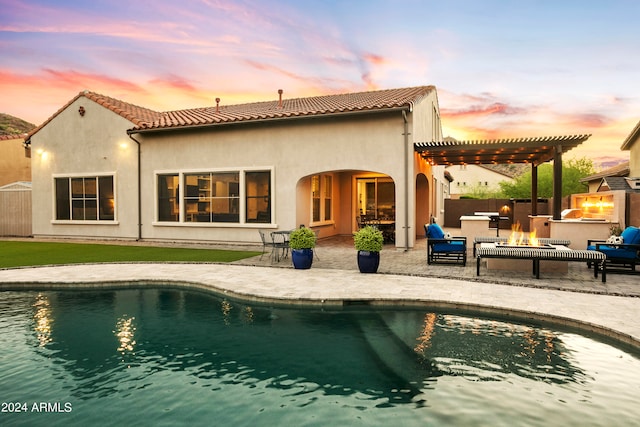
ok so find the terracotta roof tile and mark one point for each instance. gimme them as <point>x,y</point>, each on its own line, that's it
<point>146,119</point>
<point>619,170</point>
<point>12,137</point>
<point>135,114</point>
<point>296,107</point>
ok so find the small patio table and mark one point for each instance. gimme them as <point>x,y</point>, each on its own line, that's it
<point>280,242</point>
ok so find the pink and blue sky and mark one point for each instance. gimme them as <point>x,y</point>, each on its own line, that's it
<point>502,68</point>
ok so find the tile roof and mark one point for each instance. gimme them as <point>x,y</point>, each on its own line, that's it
<point>145,119</point>
<point>619,170</point>
<point>12,137</point>
<point>616,183</point>
<point>512,170</point>
<point>288,108</point>
<point>135,114</point>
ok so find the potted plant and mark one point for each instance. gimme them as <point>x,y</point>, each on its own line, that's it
<point>301,242</point>
<point>368,242</point>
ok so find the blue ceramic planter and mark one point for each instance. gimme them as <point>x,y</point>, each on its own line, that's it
<point>368,262</point>
<point>302,258</point>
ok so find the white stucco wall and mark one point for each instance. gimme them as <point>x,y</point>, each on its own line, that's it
<point>74,145</point>
<point>634,159</point>
<point>346,147</point>
<point>293,150</point>
<point>468,177</point>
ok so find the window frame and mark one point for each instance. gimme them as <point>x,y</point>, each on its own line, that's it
<point>322,199</point>
<point>69,177</point>
<point>242,198</point>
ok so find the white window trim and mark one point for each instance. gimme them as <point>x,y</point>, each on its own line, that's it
<point>113,221</point>
<point>242,198</point>
<point>322,222</point>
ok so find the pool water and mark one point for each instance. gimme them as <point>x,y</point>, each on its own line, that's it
<point>175,357</point>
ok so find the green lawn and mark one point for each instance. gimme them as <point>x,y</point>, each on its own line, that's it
<point>18,254</point>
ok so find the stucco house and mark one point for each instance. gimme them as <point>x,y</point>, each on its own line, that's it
<point>104,168</point>
<point>480,178</point>
<point>632,144</point>
<point>626,175</point>
<point>613,178</point>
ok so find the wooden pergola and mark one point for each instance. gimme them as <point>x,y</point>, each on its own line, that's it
<point>534,151</point>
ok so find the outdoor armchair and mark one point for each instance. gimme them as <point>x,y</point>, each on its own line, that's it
<point>623,254</point>
<point>444,249</point>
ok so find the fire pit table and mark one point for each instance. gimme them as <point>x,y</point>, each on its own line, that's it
<point>538,253</point>
<point>543,240</point>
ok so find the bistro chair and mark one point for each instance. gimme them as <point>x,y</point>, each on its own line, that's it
<point>267,242</point>
<point>443,249</point>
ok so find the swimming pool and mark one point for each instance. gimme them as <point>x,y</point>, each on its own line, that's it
<point>171,357</point>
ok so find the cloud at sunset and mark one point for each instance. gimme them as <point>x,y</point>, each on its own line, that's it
<point>491,84</point>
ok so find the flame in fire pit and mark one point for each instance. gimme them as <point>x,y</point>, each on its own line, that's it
<point>517,237</point>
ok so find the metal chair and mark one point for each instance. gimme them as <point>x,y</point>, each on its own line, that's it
<point>280,245</point>
<point>266,242</point>
<point>622,255</point>
<point>442,249</point>
<point>315,252</point>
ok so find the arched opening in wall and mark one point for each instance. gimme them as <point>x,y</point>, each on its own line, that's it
<point>339,202</point>
<point>422,204</point>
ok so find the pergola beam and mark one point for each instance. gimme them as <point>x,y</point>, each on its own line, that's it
<point>535,151</point>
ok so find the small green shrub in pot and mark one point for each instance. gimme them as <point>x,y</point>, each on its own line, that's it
<point>615,230</point>
<point>302,238</point>
<point>368,239</point>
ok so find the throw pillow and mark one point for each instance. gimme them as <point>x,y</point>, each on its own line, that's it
<point>615,240</point>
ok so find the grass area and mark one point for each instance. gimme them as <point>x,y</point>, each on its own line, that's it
<point>22,254</point>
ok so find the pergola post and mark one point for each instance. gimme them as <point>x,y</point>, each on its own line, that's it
<point>534,189</point>
<point>557,183</point>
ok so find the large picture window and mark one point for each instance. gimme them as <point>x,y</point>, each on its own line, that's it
<point>85,198</point>
<point>212,197</point>
<point>215,197</point>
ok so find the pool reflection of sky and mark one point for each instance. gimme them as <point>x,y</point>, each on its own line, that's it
<point>96,346</point>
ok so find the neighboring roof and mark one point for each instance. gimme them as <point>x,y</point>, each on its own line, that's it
<point>615,183</point>
<point>536,150</point>
<point>284,108</point>
<point>619,170</point>
<point>12,137</point>
<point>509,170</point>
<point>18,185</point>
<point>633,136</point>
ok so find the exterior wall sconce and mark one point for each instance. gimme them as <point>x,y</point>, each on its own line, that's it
<point>81,111</point>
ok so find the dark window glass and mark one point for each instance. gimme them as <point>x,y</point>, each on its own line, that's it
<point>258,197</point>
<point>85,199</point>
<point>168,198</point>
<point>63,199</point>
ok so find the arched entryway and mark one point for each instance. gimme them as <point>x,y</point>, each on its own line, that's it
<point>337,202</point>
